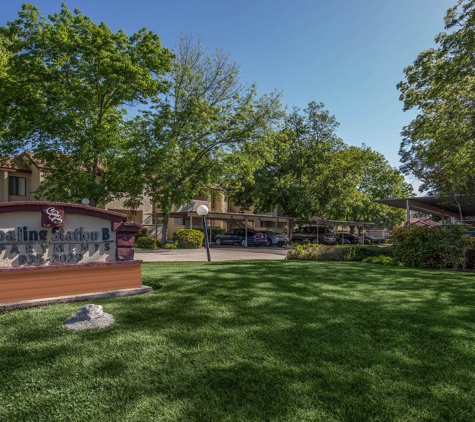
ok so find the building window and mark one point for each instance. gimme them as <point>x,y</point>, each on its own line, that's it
<point>17,186</point>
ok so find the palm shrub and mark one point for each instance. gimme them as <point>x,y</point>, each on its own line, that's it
<point>188,238</point>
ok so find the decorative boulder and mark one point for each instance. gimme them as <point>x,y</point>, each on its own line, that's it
<point>89,316</point>
<point>88,312</point>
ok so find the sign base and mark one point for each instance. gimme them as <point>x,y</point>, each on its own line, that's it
<point>22,304</point>
<point>33,283</point>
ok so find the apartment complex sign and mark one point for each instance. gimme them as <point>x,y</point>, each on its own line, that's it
<point>39,234</point>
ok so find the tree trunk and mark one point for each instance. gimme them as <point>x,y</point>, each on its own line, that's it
<point>457,203</point>
<point>166,218</point>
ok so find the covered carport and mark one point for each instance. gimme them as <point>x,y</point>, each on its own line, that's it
<point>321,222</point>
<point>430,205</point>
<point>230,217</point>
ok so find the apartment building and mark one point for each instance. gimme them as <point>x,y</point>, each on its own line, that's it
<point>22,175</point>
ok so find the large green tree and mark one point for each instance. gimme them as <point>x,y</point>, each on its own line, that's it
<point>364,176</point>
<point>179,144</point>
<point>65,84</point>
<point>305,178</point>
<point>295,171</point>
<point>438,145</point>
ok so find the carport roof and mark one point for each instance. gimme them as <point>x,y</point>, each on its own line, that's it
<point>231,216</point>
<point>239,216</point>
<point>322,222</point>
<point>431,205</point>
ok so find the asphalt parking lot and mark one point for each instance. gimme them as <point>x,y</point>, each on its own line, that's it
<point>218,253</point>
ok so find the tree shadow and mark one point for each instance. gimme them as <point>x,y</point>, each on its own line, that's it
<point>262,341</point>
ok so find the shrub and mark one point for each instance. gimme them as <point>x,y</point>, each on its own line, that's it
<point>143,232</point>
<point>306,252</point>
<point>172,245</point>
<point>337,253</point>
<point>470,254</point>
<point>146,243</point>
<point>424,247</point>
<point>188,238</point>
<point>359,252</point>
<point>382,260</point>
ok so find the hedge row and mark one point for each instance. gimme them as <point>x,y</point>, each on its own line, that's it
<point>185,238</point>
<point>420,247</point>
<point>337,253</point>
<point>425,247</point>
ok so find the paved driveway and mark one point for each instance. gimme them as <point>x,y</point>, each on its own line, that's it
<point>218,253</point>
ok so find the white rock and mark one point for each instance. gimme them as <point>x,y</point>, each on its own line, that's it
<point>89,312</point>
<point>89,316</point>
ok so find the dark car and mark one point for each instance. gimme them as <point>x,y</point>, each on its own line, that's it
<point>275,238</point>
<point>369,238</point>
<point>237,236</point>
<point>314,234</point>
<point>348,238</point>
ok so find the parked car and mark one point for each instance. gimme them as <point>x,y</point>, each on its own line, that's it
<point>341,239</point>
<point>237,236</point>
<point>369,238</point>
<point>314,234</point>
<point>348,238</point>
<point>275,238</point>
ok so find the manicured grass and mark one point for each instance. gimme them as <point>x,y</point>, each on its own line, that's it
<point>253,341</point>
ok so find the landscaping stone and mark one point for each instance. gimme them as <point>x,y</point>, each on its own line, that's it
<point>88,312</point>
<point>89,316</point>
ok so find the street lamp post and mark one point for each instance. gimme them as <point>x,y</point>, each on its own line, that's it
<point>202,211</point>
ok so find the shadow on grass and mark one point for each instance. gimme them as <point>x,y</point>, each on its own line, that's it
<point>257,341</point>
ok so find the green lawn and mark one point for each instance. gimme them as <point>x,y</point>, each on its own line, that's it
<point>253,341</point>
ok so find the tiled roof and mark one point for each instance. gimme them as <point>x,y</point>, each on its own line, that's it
<point>14,164</point>
<point>423,221</point>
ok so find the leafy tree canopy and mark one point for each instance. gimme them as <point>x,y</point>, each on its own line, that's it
<point>63,89</point>
<point>306,170</point>
<point>361,177</point>
<point>438,145</point>
<point>294,172</point>
<point>206,114</point>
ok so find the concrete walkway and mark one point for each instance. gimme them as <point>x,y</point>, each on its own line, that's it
<point>218,253</point>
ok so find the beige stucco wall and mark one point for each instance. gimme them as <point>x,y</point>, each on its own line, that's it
<point>219,204</point>
<point>234,208</point>
<point>140,215</point>
<point>3,186</point>
<point>35,181</point>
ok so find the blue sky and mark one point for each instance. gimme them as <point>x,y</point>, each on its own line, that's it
<point>348,54</point>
